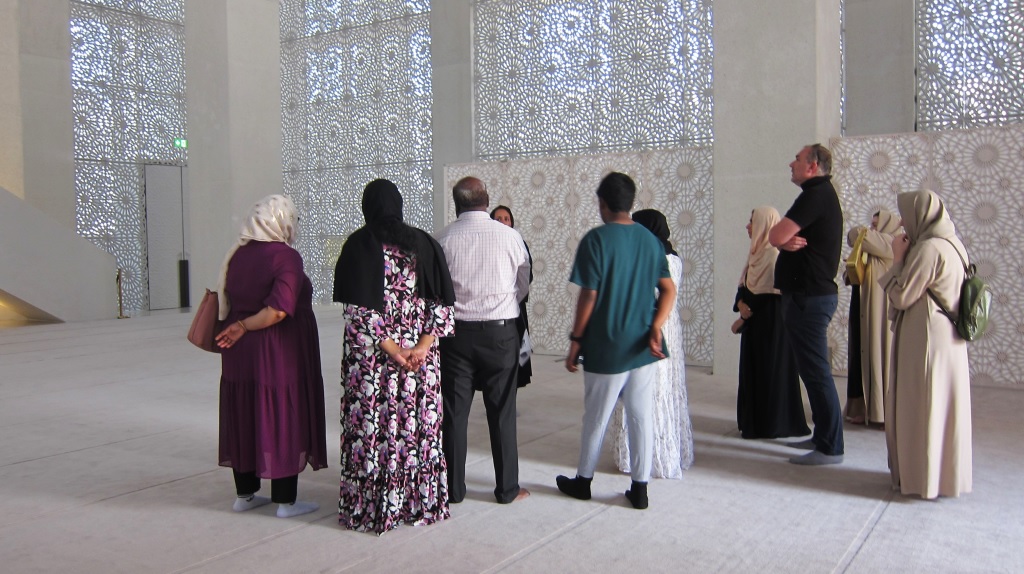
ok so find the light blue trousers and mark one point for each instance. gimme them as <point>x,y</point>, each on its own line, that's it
<point>600,392</point>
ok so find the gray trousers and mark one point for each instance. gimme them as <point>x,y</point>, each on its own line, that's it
<point>636,387</point>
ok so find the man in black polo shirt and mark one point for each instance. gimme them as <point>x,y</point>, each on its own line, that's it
<point>810,240</point>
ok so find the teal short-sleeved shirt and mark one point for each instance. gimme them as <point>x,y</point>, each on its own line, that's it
<point>623,263</point>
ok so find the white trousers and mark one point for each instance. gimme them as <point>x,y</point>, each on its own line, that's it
<point>600,392</point>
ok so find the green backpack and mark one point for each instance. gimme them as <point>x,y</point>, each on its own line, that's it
<point>975,303</point>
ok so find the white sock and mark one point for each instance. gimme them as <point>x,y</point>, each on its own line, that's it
<point>296,508</point>
<point>243,503</point>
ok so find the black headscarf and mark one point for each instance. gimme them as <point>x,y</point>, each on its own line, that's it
<point>359,273</point>
<point>655,221</point>
<point>382,210</point>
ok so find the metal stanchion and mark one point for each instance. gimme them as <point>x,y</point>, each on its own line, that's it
<point>120,297</point>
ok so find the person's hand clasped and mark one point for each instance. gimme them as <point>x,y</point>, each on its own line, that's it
<point>416,358</point>
<point>229,336</point>
<point>795,243</point>
<point>736,326</point>
<point>900,246</point>
<point>401,357</point>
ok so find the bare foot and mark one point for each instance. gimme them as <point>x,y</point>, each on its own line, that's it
<point>523,493</point>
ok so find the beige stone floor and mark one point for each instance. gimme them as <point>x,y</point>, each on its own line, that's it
<point>108,437</point>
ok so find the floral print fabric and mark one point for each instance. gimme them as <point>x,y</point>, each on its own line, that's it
<point>392,466</point>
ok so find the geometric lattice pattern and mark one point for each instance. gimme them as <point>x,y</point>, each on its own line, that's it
<point>571,77</point>
<point>978,173</point>
<point>554,206</point>
<point>356,106</point>
<point>128,100</point>
<point>970,64</point>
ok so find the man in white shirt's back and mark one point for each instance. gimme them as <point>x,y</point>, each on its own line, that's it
<point>490,270</point>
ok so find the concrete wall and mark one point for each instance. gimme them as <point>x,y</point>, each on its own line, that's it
<point>234,121</point>
<point>53,273</point>
<point>12,175</point>
<point>37,163</point>
<point>880,85</point>
<point>773,95</point>
<point>452,123</point>
<point>234,116</point>
<point>232,59</point>
<point>47,272</point>
<point>233,73</point>
<point>45,91</point>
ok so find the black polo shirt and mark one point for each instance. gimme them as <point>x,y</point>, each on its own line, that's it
<point>813,269</point>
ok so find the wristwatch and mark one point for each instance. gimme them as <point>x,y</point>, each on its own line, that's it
<point>574,338</point>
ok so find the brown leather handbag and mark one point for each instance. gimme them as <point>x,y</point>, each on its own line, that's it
<point>206,324</point>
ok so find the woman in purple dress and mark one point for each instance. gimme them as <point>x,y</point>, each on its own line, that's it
<point>272,421</point>
<point>399,299</point>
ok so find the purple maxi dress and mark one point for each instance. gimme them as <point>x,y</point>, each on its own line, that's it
<point>272,389</point>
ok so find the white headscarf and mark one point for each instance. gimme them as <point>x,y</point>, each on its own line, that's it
<point>272,218</point>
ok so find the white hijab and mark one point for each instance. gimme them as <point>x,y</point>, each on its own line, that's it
<point>272,218</point>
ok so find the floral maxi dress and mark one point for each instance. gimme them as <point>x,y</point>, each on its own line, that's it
<point>392,466</point>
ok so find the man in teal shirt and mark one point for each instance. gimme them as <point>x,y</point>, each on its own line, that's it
<point>619,267</point>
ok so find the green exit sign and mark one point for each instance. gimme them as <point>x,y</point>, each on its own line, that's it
<point>180,142</point>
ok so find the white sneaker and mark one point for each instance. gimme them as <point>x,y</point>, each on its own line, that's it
<point>296,509</point>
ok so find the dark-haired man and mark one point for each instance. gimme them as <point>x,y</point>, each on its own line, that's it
<point>809,238</point>
<point>617,331</point>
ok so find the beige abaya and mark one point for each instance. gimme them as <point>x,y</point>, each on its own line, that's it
<point>928,408</point>
<point>875,327</point>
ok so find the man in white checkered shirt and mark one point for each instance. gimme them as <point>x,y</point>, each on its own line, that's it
<point>490,270</point>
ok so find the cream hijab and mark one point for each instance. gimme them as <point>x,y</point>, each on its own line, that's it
<point>925,217</point>
<point>759,273</point>
<point>888,223</point>
<point>272,218</point>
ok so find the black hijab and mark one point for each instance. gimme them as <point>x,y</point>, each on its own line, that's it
<point>655,221</point>
<point>359,273</point>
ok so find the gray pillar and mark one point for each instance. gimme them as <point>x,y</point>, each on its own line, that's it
<point>451,56</point>
<point>777,74</point>
<point>880,85</point>
<point>44,80</point>
<point>12,174</point>
<point>233,78</point>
